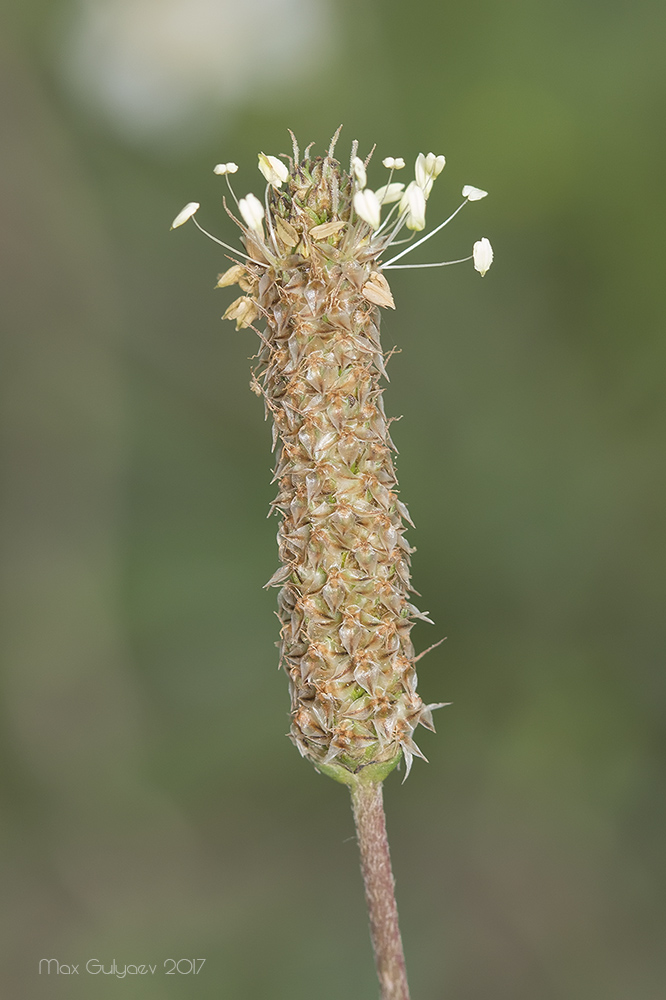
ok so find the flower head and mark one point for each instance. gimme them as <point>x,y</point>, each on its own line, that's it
<point>314,263</point>
<point>483,255</point>
<point>274,170</point>
<point>253,213</point>
<point>340,210</point>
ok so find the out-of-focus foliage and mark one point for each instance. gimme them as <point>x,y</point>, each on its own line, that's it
<point>153,807</point>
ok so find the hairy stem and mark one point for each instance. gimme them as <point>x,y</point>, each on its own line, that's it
<point>368,808</point>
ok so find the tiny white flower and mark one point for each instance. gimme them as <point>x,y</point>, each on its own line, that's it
<point>274,170</point>
<point>367,207</point>
<point>413,202</point>
<point>393,163</point>
<point>185,214</point>
<point>472,193</point>
<point>358,169</point>
<point>225,168</point>
<point>253,213</point>
<point>389,193</point>
<point>483,255</point>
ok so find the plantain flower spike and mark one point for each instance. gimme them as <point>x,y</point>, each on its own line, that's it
<point>316,278</point>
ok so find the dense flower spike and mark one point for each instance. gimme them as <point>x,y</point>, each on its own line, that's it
<point>316,278</point>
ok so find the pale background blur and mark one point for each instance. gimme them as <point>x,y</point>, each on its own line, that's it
<point>153,807</point>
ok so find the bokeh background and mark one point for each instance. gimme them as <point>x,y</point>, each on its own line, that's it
<point>153,807</point>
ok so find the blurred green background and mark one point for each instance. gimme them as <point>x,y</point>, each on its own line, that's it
<point>153,808</point>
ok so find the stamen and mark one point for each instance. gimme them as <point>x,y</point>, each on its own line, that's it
<point>269,220</point>
<point>386,221</point>
<point>233,193</point>
<point>391,172</point>
<point>226,246</point>
<point>441,263</point>
<point>426,237</point>
<point>407,239</point>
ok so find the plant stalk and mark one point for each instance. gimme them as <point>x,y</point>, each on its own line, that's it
<point>368,808</point>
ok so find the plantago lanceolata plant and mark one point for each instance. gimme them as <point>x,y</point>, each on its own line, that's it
<point>313,271</point>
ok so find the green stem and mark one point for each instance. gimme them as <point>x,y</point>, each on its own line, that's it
<point>379,884</point>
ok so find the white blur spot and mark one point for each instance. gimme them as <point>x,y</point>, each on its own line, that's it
<point>167,72</point>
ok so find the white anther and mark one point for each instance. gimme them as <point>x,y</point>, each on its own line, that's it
<point>253,213</point>
<point>358,169</point>
<point>225,168</point>
<point>482,253</point>
<point>472,193</point>
<point>389,193</point>
<point>426,169</point>
<point>367,207</point>
<point>393,163</point>
<point>274,170</point>
<point>185,214</point>
<point>413,202</point>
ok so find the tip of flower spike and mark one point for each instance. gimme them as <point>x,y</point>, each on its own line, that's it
<point>482,254</point>
<point>473,193</point>
<point>185,214</point>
